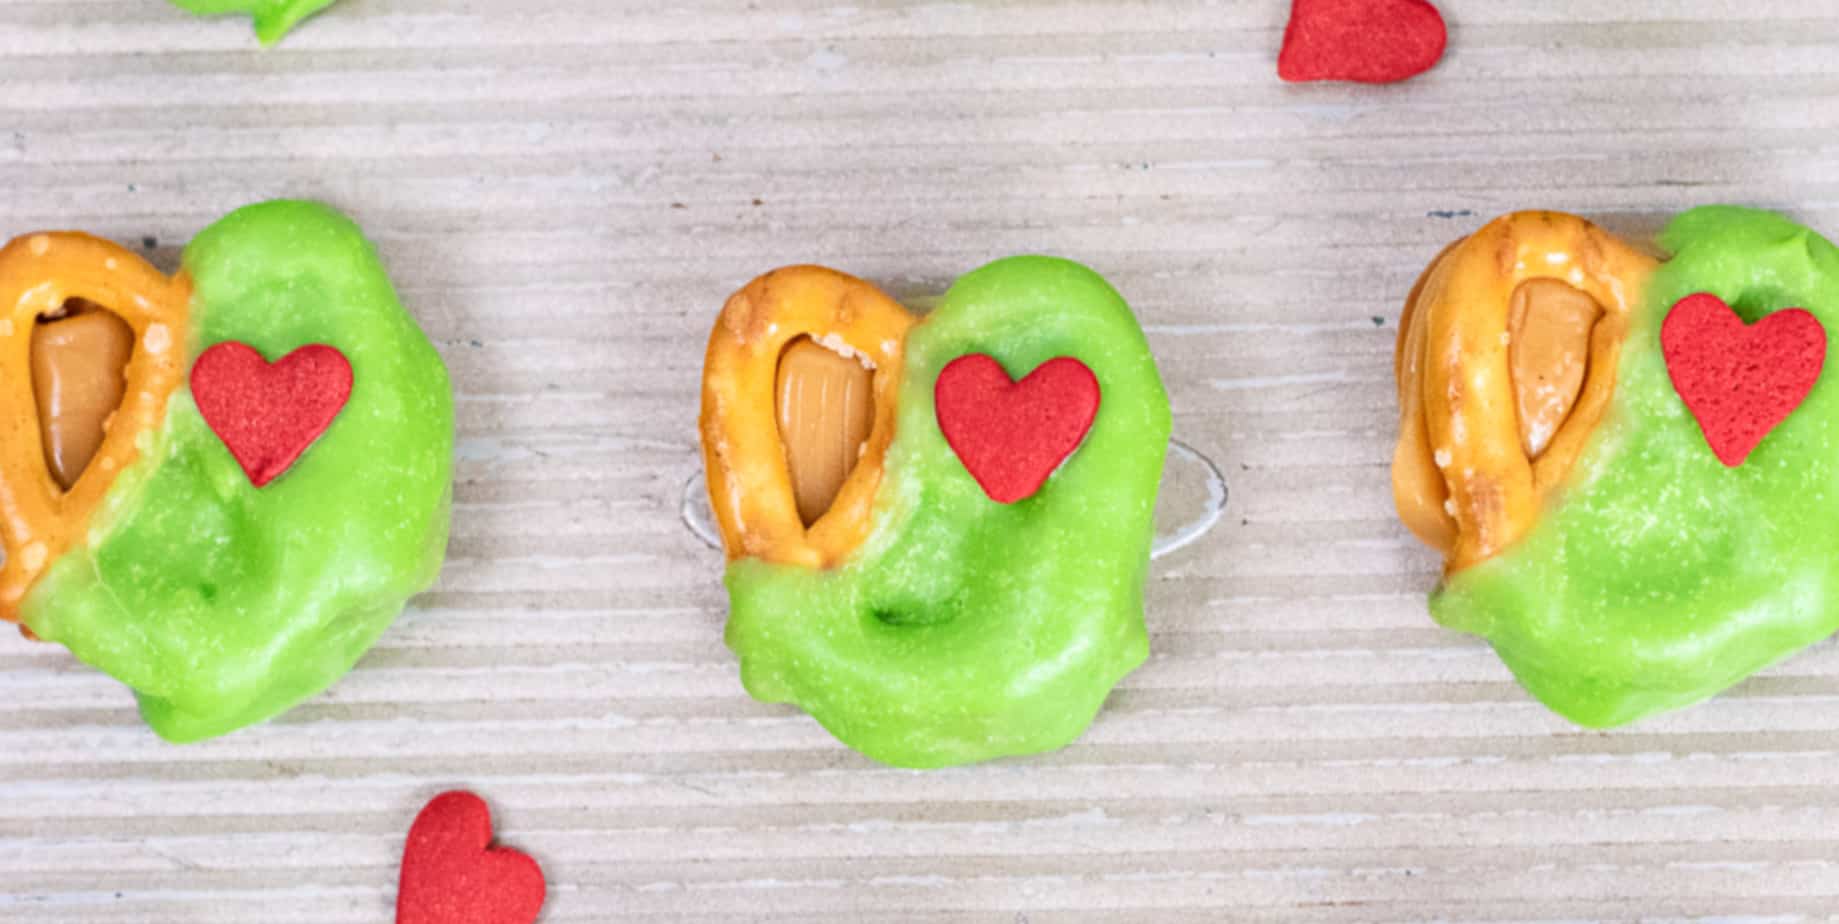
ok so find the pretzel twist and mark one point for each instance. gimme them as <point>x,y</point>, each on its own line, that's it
<point>744,455</point>
<point>39,521</point>
<point>1463,479</point>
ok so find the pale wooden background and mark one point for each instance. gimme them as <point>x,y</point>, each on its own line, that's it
<point>567,190</point>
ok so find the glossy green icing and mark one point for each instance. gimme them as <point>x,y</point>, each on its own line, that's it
<point>963,629</point>
<point>223,605</point>
<point>1660,577</point>
<point>273,18</point>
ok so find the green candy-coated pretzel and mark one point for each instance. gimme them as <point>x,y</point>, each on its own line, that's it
<point>964,629</point>
<point>222,604</point>
<point>1660,577</point>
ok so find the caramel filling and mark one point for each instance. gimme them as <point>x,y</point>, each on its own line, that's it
<point>79,374</point>
<point>1549,323</point>
<point>825,410</point>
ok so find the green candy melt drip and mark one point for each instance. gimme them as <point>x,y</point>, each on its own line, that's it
<point>1660,577</point>
<point>964,629</point>
<point>273,18</point>
<point>223,605</point>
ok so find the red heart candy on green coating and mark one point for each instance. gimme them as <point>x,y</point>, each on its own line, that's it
<point>1012,435</point>
<point>268,414</point>
<point>1740,380</point>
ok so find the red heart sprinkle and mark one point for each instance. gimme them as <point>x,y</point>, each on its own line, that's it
<point>1012,435</point>
<point>452,875</point>
<point>1740,380</point>
<point>267,415</point>
<point>1365,41</point>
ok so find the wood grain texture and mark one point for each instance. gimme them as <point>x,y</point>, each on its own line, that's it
<point>567,190</point>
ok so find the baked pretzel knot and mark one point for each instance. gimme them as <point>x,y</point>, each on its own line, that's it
<point>41,275</point>
<point>1506,361</point>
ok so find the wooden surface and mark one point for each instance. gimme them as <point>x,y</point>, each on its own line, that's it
<point>566,191</point>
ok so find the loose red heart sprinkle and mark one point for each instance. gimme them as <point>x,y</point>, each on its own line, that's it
<point>267,415</point>
<point>1365,41</point>
<point>452,875</point>
<point>1012,435</point>
<point>1740,380</point>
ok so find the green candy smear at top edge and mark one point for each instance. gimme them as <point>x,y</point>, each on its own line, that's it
<point>223,605</point>
<point>964,629</point>
<point>273,18</point>
<point>1660,576</point>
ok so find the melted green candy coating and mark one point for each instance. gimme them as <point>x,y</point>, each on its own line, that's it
<point>223,605</point>
<point>1661,577</point>
<point>273,18</point>
<point>964,629</point>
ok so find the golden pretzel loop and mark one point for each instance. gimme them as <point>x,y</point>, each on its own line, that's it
<point>1462,477</point>
<point>750,485</point>
<point>39,273</point>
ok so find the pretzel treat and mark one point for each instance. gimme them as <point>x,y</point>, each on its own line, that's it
<point>221,487</point>
<point>855,455</point>
<point>1618,565</point>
